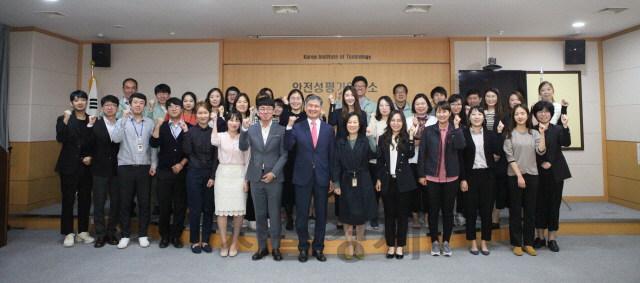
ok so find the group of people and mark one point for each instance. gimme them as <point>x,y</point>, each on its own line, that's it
<point>455,156</point>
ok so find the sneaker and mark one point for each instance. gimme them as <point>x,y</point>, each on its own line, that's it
<point>84,237</point>
<point>68,241</point>
<point>245,223</point>
<point>459,220</point>
<point>530,250</point>
<point>446,249</point>
<point>124,243</point>
<point>144,241</point>
<point>252,225</point>
<point>374,224</point>
<point>538,243</point>
<point>435,248</point>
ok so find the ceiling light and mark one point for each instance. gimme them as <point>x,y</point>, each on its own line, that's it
<point>101,35</point>
<point>417,8</point>
<point>118,26</point>
<point>50,0</point>
<point>610,10</point>
<point>172,33</point>
<point>578,24</point>
<point>52,14</point>
<point>285,9</point>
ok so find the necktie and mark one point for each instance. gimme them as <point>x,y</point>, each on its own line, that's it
<point>314,134</point>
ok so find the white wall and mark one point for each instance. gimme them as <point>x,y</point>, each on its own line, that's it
<point>42,74</point>
<point>621,73</point>
<point>183,66</point>
<point>586,166</point>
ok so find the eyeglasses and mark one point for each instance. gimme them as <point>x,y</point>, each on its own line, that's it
<point>174,107</point>
<point>400,92</point>
<point>456,104</point>
<point>109,106</point>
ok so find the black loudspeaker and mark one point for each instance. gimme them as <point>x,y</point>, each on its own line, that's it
<point>101,54</point>
<point>574,52</point>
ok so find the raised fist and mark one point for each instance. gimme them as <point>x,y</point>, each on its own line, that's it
<point>338,94</point>
<point>67,114</point>
<point>92,119</point>
<point>565,120</point>
<point>369,131</point>
<point>245,122</point>
<point>184,127</point>
<point>565,103</point>
<point>285,100</point>
<point>292,120</point>
<point>159,121</point>
<point>152,103</point>
<point>542,128</point>
<point>331,99</point>
<point>412,131</point>
<point>213,116</point>
<point>415,121</point>
<point>500,127</point>
<point>373,115</point>
<point>125,113</point>
<point>467,108</point>
<point>221,111</point>
<point>456,121</point>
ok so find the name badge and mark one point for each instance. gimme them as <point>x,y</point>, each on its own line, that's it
<point>354,182</point>
<point>140,148</point>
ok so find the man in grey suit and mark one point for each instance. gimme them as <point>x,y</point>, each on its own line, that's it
<point>265,139</point>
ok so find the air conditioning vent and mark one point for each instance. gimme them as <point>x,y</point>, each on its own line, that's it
<point>52,14</point>
<point>417,8</point>
<point>608,11</point>
<point>285,9</point>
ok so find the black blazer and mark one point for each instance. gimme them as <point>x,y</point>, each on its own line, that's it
<point>404,174</point>
<point>502,165</point>
<point>170,152</point>
<point>493,144</point>
<point>335,119</point>
<point>104,152</point>
<point>73,146</point>
<point>429,151</point>
<point>555,138</point>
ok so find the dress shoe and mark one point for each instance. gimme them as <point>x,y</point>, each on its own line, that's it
<point>517,251</point>
<point>374,224</point>
<point>553,246</point>
<point>177,243</point>
<point>112,240</point>
<point>400,256</point>
<point>289,225</point>
<point>390,256</point>
<point>485,252</point>
<point>530,250</point>
<point>319,256</point>
<point>164,243</point>
<point>196,249</point>
<point>277,256</point>
<point>304,256</point>
<point>207,248</point>
<point>538,243</point>
<point>233,252</point>
<point>100,241</point>
<point>260,254</point>
<point>476,252</point>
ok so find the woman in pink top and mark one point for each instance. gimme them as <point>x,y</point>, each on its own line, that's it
<point>230,192</point>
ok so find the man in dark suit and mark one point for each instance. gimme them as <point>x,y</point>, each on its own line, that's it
<point>73,166</point>
<point>315,143</point>
<point>104,166</point>
<point>171,178</point>
<point>265,174</point>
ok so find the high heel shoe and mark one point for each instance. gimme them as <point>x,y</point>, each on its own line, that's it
<point>348,252</point>
<point>224,252</point>
<point>233,253</point>
<point>360,256</point>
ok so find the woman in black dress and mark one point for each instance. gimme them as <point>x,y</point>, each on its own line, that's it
<point>352,182</point>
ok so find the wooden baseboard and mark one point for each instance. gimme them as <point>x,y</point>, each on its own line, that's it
<point>35,205</point>
<point>625,203</point>
<point>586,199</point>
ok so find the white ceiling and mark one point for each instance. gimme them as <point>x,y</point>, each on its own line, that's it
<point>226,19</point>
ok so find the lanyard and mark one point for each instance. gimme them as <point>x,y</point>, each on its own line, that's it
<point>173,133</point>
<point>141,129</point>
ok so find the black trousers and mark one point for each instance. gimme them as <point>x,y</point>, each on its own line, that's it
<point>69,185</point>
<point>502,192</point>
<point>442,196</point>
<point>250,210</point>
<point>396,208</point>
<point>172,197</point>
<point>374,178</point>
<point>201,203</point>
<point>134,181</point>
<point>548,203</point>
<point>522,231</point>
<point>419,199</point>
<point>460,206</point>
<point>480,196</point>
<point>101,187</point>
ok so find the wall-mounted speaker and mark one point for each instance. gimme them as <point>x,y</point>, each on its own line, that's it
<point>101,54</point>
<point>574,51</point>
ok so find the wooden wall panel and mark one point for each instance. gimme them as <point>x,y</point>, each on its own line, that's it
<point>622,159</point>
<point>624,189</point>
<point>292,51</point>
<point>19,161</point>
<point>43,157</point>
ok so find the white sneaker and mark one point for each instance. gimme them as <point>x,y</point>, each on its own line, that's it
<point>84,237</point>
<point>68,241</point>
<point>124,243</point>
<point>245,223</point>
<point>461,220</point>
<point>144,241</point>
<point>252,225</point>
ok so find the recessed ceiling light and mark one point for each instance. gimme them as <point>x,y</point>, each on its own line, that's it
<point>285,9</point>
<point>417,8</point>
<point>50,0</point>
<point>118,26</point>
<point>172,33</point>
<point>100,34</point>
<point>578,24</point>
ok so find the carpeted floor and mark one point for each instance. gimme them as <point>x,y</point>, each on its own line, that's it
<point>38,256</point>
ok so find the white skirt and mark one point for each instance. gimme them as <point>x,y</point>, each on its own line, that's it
<point>230,198</point>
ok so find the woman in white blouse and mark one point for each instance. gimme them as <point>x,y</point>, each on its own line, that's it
<point>230,192</point>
